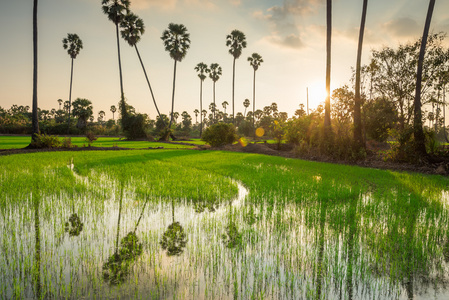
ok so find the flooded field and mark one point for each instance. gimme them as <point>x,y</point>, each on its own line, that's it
<point>195,225</point>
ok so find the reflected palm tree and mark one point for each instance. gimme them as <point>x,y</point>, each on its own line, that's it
<point>117,267</point>
<point>37,249</point>
<point>352,219</point>
<point>74,226</point>
<point>319,276</point>
<point>232,238</point>
<point>174,239</point>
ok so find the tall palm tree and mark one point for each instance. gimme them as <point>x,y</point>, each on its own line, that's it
<point>358,139</point>
<point>418,132</point>
<point>176,42</point>
<point>327,105</point>
<point>116,11</point>
<point>113,110</point>
<point>246,104</point>
<point>214,74</point>
<point>236,41</point>
<point>132,29</point>
<point>60,103</point>
<point>202,69</point>
<point>255,60</point>
<point>225,104</point>
<point>73,44</point>
<point>35,117</point>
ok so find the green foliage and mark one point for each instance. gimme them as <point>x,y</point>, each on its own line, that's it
<point>46,141</point>
<point>380,116</point>
<point>219,134</point>
<point>174,239</point>
<point>90,138</point>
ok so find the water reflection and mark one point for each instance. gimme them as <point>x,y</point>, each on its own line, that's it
<point>174,239</point>
<point>37,249</point>
<point>232,238</point>
<point>117,267</point>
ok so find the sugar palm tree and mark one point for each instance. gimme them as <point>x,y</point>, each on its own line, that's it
<point>225,104</point>
<point>176,42</point>
<point>255,60</point>
<point>132,29</point>
<point>113,110</point>
<point>73,44</point>
<point>358,139</point>
<point>327,105</point>
<point>196,112</point>
<point>418,132</point>
<point>202,70</point>
<point>236,41</point>
<point>246,104</point>
<point>35,117</point>
<point>60,103</point>
<point>214,74</point>
<point>116,11</point>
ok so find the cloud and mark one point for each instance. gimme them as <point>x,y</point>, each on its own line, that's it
<point>282,20</point>
<point>236,2</point>
<point>403,27</point>
<point>145,4</point>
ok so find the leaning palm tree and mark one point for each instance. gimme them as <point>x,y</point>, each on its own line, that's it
<point>35,117</point>
<point>176,42</point>
<point>73,44</point>
<point>132,29</point>
<point>215,73</point>
<point>255,60</point>
<point>327,105</point>
<point>202,69</point>
<point>116,11</point>
<point>358,139</point>
<point>418,132</point>
<point>236,41</point>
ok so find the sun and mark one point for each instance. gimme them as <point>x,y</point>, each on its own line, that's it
<point>317,94</point>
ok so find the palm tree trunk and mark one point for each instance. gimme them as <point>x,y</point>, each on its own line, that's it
<point>254,103</point>
<point>35,119</point>
<point>233,85</point>
<point>327,106</point>
<point>149,85</point>
<point>358,139</point>
<point>173,96</point>
<point>70,97</point>
<point>201,108</point>
<point>122,95</point>
<point>215,107</point>
<point>420,146</point>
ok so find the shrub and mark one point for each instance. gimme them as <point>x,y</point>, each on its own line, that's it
<point>67,143</point>
<point>134,126</point>
<point>220,134</point>
<point>90,138</point>
<point>46,141</point>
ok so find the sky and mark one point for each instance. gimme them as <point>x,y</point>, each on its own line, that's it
<point>289,35</point>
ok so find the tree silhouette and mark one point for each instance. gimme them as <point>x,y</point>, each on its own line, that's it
<point>113,110</point>
<point>116,11</point>
<point>236,41</point>
<point>73,44</point>
<point>35,118</point>
<point>215,73</point>
<point>327,105</point>
<point>255,60</point>
<point>132,29</point>
<point>176,42</point>
<point>225,104</point>
<point>202,70</point>
<point>196,112</point>
<point>358,139</point>
<point>418,132</point>
<point>60,103</point>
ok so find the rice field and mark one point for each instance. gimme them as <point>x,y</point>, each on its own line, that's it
<point>185,224</point>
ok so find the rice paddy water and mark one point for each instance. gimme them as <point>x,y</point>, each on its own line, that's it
<point>215,225</point>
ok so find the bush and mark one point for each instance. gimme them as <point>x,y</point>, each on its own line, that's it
<point>134,126</point>
<point>220,134</point>
<point>46,141</point>
<point>90,138</point>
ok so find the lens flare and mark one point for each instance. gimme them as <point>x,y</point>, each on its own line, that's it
<point>243,142</point>
<point>260,132</point>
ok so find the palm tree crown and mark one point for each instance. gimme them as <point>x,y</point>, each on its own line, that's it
<point>115,9</point>
<point>73,44</point>
<point>215,72</point>
<point>202,69</point>
<point>132,28</point>
<point>236,41</point>
<point>176,41</point>
<point>255,60</point>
